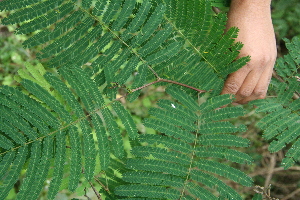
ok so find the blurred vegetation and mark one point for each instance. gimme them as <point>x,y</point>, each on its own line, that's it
<point>285,14</point>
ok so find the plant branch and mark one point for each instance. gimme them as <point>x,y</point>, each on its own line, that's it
<point>270,170</point>
<point>95,191</point>
<point>168,81</point>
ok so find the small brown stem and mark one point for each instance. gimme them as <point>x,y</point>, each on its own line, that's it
<point>184,85</point>
<point>103,186</point>
<point>168,81</point>
<point>270,170</point>
<point>96,192</point>
<point>139,88</point>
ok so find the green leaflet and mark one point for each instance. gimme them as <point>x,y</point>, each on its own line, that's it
<point>140,79</point>
<point>156,166</point>
<point>218,127</point>
<point>200,192</point>
<point>29,12</point>
<point>172,118</point>
<point>161,154</point>
<point>44,21</point>
<point>86,3</point>
<point>125,13</point>
<point>103,144</point>
<point>32,169</point>
<point>89,151</point>
<point>224,113</point>
<point>169,129</point>
<point>126,119</point>
<point>75,171</point>
<point>153,178</point>
<point>211,182</point>
<point>17,122</point>
<point>226,171</point>
<point>13,5</point>
<point>59,165</point>
<point>292,155</point>
<point>43,166</point>
<point>180,96</point>
<point>66,40</point>
<point>112,9</point>
<point>13,173</point>
<point>220,152</point>
<point>47,98</point>
<point>147,191</point>
<point>215,102</point>
<point>5,143</point>
<point>224,140</point>
<point>167,141</point>
<point>13,134</point>
<point>5,163</point>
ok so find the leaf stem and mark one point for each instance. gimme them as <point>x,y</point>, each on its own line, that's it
<point>168,81</point>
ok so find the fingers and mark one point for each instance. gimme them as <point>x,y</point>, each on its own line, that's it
<point>235,80</point>
<point>247,88</point>
<point>247,84</point>
<point>261,88</point>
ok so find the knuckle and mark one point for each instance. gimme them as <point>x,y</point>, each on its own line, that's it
<point>263,96</point>
<point>262,60</point>
<point>246,92</point>
<point>260,93</point>
<point>232,87</point>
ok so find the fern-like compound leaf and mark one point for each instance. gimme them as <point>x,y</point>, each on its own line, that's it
<point>171,154</point>
<point>281,124</point>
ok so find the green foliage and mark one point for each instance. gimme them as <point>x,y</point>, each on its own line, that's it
<point>194,163</point>
<point>65,119</point>
<point>281,124</point>
<point>12,54</point>
<point>285,14</point>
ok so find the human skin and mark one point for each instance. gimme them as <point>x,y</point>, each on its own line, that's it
<point>253,18</point>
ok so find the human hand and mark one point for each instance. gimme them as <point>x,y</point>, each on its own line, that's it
<point>253,18</point>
